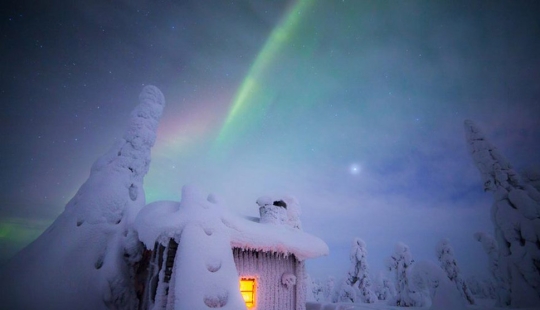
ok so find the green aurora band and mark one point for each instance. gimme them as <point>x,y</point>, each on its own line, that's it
<point>253,97</point>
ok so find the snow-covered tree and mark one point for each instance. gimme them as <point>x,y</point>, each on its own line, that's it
<point>399,263</point>
<point>531,176</point>
<point>316,291</point>
<point>84,259</point>
<point>383,288</point>
<point>445,255</point>
<point>444,294</point>
<point>328,290</point>
<point>498,267</point>
<point>358,275</point>
<point>346,293</point>
<point>309,288</point>
<point>481,287</point>
<point>515,214</point>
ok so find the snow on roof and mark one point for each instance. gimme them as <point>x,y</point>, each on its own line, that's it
<point>161,220</point>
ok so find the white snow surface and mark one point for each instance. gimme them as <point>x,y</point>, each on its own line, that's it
<point>161,220</point>
<point>205,275</point>
<point>483,304</point>
<point>82,260</point>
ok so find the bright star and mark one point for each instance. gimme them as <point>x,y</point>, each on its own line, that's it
<point>355,169</point>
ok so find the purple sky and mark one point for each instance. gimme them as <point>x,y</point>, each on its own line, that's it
<point>381,86</point>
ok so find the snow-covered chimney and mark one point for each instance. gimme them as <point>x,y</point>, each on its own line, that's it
<point>274,212</point>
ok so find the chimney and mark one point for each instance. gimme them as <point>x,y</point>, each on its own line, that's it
<point>274,212</point>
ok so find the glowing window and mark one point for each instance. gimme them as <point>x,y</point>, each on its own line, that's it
<point>247,289</point>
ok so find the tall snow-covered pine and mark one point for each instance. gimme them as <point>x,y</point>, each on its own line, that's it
<point>515,214</point>
<point>83,260</point>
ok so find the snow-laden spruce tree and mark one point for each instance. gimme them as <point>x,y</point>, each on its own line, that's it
<point>481,287</point>
<point>84,259</point>
<point>384,289</point>
<point>329,289</point>
<point>444,294</point>
<point>316,291</point>
<point>399,263</point>
<point>445,255</point>
<point>531,176</point>
<point>498,267</point>
<point>515,214</point>
<point>358,275</point>
<point>346,293</point>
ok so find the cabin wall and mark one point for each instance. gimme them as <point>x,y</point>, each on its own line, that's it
<point>156,289</point>
<point>268,269</point>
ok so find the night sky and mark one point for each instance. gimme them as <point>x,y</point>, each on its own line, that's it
<point>356,108</point>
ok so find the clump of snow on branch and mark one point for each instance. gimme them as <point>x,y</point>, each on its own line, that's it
<point>84,259</point>
<point>445,255</point>
<point>516,215</point>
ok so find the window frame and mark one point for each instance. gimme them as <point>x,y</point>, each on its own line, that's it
<point>253,291</point>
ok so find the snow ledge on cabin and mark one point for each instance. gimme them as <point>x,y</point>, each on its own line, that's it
<point>161,220</point>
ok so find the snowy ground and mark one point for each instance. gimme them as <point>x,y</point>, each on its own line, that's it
<point>482,304</point>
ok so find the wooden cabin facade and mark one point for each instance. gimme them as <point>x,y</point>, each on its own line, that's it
<point>270,271</point>
<point>267,281</point>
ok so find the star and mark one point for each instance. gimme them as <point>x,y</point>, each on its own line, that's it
<point>354,169</point>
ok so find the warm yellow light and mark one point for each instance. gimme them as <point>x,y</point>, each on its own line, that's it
<point>247,289</point>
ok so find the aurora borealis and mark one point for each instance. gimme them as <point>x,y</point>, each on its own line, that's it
<point>354,107</point>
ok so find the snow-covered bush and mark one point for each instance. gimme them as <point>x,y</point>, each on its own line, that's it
<point>445,255</point>
<point>515,214</point>
<point>399,263</point>
<point>358,275</point>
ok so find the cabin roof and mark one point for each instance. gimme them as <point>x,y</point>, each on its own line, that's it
<point>159,221</point>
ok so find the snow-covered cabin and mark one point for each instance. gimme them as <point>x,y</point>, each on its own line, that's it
<point>201,254</point>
